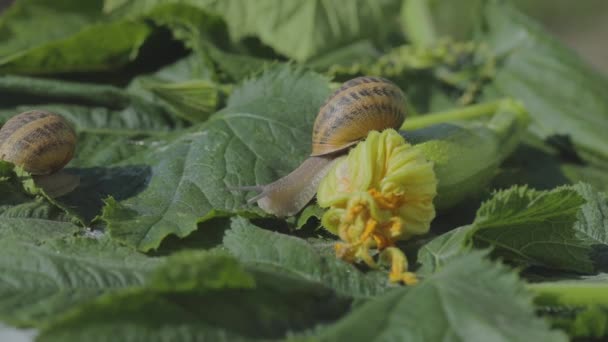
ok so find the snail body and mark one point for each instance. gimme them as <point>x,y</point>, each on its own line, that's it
<point>361,105</point>
<point>42,143</point>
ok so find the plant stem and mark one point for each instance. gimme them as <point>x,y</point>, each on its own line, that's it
<point>470,112</point>
<point>570,293</point>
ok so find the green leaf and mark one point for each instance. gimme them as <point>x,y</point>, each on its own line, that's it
<point>193,100</point>
<point>235,67</point>
<point>90,108</point>
<point>99,183</point>
<point>27,217</point>
<point>23,203</point>
<point>60,20</point>
<point>470,299</point>
<point>438,252</point>
<point>112,124</point>
<point>74,38</point>
<point>466,155</point>
<point>214,271</point>
<point>297,258</point>
<point>361,52</point>
<point>562,228</point>
<point>138,119</point>
<point>34,220</point>
<point>563,94</point>
<point>121,42</point>
<point>38,282</point>
<point>320,25</point>
<point>200,31</point>
<point>427,21</point>
<point>311,213</point>
<point>96,150</point>
<point>543,167</point>
<point>199,296</point>
<point>265,117</point>
<point>418,23</point>
<point>184,69</point>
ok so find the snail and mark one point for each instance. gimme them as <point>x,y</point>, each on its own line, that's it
<point>361,105</point>
<point>42,143</point>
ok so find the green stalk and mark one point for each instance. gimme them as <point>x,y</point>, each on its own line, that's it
<point>466,113</point>
<point>570,293</point>
<point>58,91</point>
<point>467,154</point>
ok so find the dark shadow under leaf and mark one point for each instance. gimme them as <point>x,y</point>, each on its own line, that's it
<point>98,183</point>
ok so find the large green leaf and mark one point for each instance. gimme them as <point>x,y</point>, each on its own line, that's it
<point>191,23</point>
<point>200,296</point>
<point>37,282</point>
<point>60,19</point>
<point>563,94</point>
<point>79,53</point>
<point>267,125</point>
<point>563,228</point>
<point>297,258</point>
<point>74,38</point>
<point>320,25</point>
<point>471,299</point>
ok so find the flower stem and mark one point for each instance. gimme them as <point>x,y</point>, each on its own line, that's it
<point>469,112</point>
<point>570,293</point>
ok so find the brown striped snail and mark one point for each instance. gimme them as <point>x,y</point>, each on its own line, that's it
<point>361,105</point>
<point>42,143</point>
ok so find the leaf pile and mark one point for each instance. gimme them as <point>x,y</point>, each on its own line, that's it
<point>177,102</point>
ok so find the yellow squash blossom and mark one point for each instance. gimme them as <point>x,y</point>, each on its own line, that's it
<point>381,192</point>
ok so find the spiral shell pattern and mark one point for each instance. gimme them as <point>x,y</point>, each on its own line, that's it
<point>361,105</point>
<point>40,142</point>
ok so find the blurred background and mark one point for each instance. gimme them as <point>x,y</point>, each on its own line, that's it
<point>582,25</point>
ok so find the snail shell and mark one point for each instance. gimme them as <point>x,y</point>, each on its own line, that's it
<point>40,142</point>
<point>361,105</point>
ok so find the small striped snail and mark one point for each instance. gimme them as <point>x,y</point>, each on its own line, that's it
<point>361,105</point>
<point>42,143</point>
